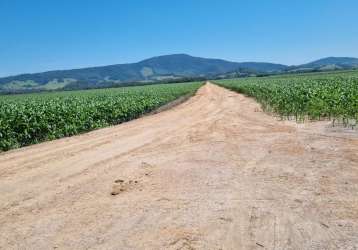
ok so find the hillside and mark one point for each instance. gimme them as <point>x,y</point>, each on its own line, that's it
<point>169,67</point>
<point>162,68</point>
<point>328,63</point>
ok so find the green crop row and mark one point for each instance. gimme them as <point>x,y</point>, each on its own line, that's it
<point>33,118</point>
<point>306,96</point>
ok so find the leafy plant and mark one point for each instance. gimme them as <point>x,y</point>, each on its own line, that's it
<point>306,96</point>
<point>33,118</point>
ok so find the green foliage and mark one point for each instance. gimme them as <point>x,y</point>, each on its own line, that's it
<point>312,96</point>
<point>32,118</point>
<point>162,68</point>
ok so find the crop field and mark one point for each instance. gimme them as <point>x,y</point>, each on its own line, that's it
<point>209,174</point>
<point>33,118</point>
<point>315,96</point>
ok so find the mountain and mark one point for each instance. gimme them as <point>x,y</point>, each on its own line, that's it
<point>177,67</point>
<point>189,66</point>
<point>328,63</point>
<point>161,68</point>
<point>343,61</point>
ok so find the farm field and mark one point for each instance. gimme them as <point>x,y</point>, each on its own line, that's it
<point>214,172</point>
<point>314,96</point>
<point>32,118</point>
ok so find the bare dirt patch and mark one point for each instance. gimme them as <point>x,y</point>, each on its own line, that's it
<point>214,172</point>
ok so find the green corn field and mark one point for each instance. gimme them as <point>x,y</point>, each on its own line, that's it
<point>318,96</point>
<point>32,118</point>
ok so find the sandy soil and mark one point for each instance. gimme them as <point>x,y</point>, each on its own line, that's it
<point>214,172</point>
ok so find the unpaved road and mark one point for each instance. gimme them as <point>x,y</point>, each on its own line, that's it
<point>212,173</point>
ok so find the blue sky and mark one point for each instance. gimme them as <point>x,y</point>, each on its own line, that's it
<point>40,35</point>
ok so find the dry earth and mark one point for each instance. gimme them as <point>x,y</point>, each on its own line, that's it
<point>214,172</point>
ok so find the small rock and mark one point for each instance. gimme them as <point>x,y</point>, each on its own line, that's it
<point>227,219</point>
<point>114,193</point>
<point>117,190</point>
<point>260,245</point>
<point>325,225</point>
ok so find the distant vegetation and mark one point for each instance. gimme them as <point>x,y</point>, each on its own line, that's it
<point>326,64</point>
<point>32,118</point>
<point>304,96</point>
<point>156,69</point>
<point>162,69</point>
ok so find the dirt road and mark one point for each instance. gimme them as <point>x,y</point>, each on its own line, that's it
<point>212,173</point>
